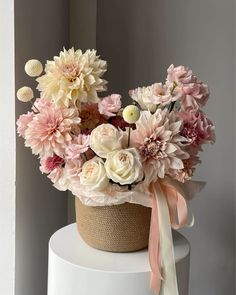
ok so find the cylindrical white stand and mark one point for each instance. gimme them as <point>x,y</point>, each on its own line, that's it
<point>76,268</point>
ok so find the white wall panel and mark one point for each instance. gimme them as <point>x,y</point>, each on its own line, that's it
<point>7,148</point>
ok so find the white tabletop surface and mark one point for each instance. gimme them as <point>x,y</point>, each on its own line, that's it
<point>67,244</point>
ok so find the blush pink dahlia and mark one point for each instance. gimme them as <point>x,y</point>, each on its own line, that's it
<point>49,131</point>
<point>22,123</point>
<point>158,141</point>
<point>110,105</point>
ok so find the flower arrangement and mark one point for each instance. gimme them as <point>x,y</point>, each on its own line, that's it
<point>103,153</point>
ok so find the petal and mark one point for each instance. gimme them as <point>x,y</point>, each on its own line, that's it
<point>176,163</point>
<point>171,148</point>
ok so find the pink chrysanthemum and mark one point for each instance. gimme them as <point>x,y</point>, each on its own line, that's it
<point>22,123</point>
<point>158,141</point>
<point>49,131</point>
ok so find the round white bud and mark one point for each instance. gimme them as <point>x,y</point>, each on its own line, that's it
<point>131,114</point>
<point>25,94</point>
<point>33,68</point>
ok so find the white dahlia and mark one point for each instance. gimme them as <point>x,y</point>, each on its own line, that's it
<point>73,77</point>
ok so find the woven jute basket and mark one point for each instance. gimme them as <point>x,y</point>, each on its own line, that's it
<point>118,228</point>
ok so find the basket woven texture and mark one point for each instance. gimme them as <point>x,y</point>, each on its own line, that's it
<point>119,228</point>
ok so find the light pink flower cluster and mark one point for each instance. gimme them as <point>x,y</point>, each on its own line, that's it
<point>54,134</point>
<point>90,145</point>
<point>181,85</point>
<point>185,94</point>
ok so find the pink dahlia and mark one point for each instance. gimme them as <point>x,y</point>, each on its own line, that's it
<point>157,138</point>
<point>23,122</point>
<point>49,131</point>
<point>197,128</point>
<point>110,105</point>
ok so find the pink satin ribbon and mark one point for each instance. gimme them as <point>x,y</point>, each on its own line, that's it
<point>177,205</point>
<point>178,212</point>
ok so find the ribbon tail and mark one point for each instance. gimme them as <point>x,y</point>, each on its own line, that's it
<point>154,246</point>
<point>178,205</point>
<point>169,284</point>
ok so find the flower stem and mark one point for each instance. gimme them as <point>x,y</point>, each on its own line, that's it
<point>129,131</point>
<point>33,106</point>
<point>171,106</point>
<point>85,157</point>
<point>173,102</point>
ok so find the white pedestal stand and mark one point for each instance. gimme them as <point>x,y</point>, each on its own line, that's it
<point>77,269</point>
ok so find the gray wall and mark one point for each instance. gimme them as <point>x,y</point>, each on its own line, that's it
<point>140,39</point>
<point>41,30</point>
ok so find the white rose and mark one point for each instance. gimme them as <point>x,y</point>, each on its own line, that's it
<point>93,175</point>
<point>105,139</point>
<point>124,166</point>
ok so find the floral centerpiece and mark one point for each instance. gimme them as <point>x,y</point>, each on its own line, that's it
<point>105,155</point>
